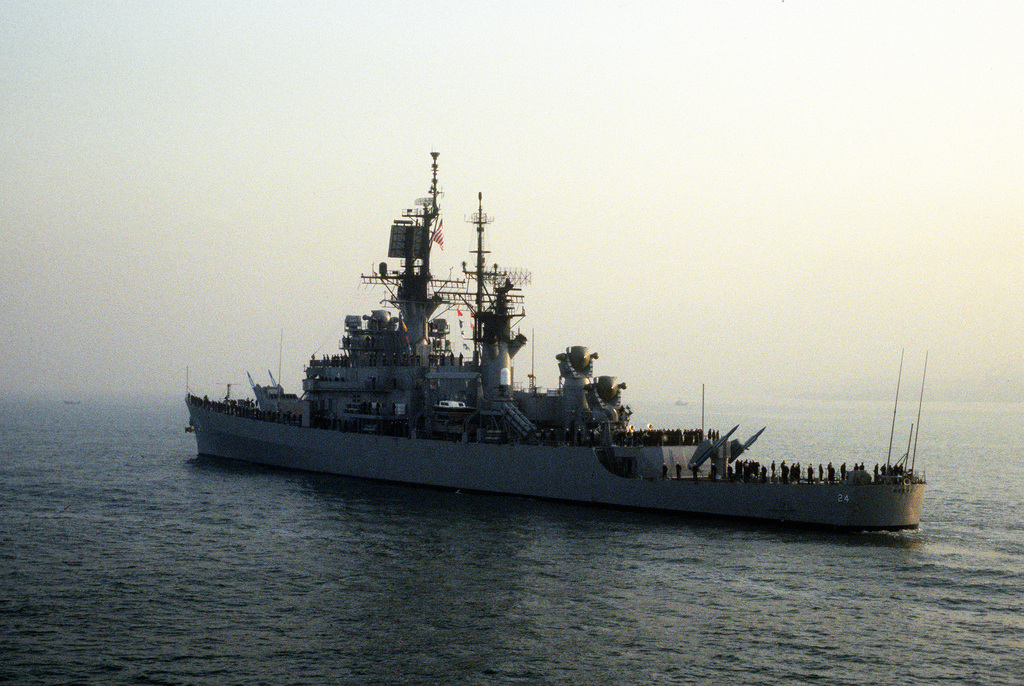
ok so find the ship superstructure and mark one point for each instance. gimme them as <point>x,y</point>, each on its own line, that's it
<point>404,400</point>
<point>400,372</point>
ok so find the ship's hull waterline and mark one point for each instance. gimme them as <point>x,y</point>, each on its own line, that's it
<point>564,473</point>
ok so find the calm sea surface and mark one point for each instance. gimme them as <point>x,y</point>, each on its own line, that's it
<point>126,559</point>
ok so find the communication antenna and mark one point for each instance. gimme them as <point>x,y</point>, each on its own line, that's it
<point>480,220</point>
<point>702,411</point>
<point>906,455</point>
<point>893,431</point>
<point>280,354</point>
<point>533,359</point>
<point>919,403</point>
<point>497,276</point>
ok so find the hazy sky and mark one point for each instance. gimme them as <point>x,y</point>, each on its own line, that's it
<point>766,197</point>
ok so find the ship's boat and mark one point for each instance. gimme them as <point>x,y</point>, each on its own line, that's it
<point>406,400</point>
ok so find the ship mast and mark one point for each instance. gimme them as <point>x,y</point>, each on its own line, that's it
<point>480,219</point>
<point>410,288</point>
<point>417,234</point>
<point>496,305</point>
<point>417,295</point>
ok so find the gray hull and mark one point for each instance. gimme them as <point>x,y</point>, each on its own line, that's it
<point>565,473</point>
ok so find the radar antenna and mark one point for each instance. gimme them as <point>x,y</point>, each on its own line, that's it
<point>498,276</point>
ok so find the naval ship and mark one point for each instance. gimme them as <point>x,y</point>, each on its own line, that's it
<point>403,400</point>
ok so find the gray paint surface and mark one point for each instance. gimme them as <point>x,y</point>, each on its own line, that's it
<point>567,473</point>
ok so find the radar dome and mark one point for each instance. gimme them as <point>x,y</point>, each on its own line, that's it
<point>608,389</point>
<point>579,357</point>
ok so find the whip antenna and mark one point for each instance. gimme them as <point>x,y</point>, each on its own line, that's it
<point>893,431</point>
<point>919,403</point>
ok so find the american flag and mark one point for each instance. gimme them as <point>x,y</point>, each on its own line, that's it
<point>438,236</point>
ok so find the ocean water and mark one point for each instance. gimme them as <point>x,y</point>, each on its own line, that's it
<point>126,559</point>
